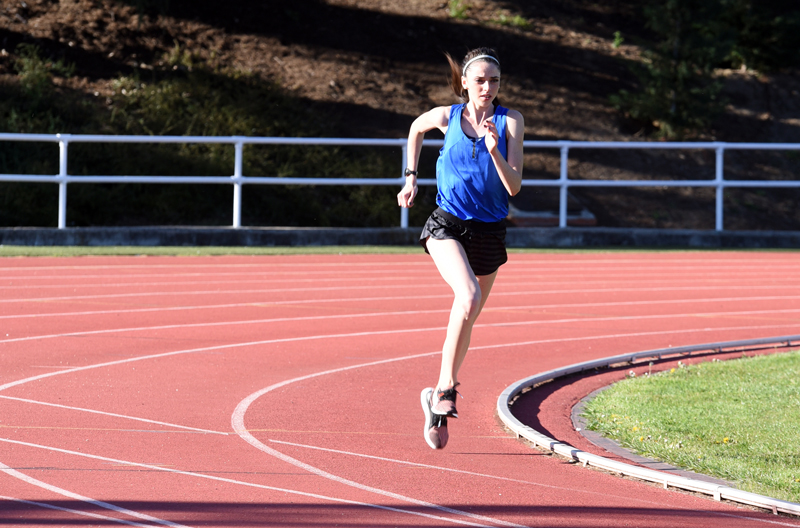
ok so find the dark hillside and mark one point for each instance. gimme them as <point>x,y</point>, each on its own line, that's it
<point>366,68</point>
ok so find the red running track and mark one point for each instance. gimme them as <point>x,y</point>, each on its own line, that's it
<point>284,391</point>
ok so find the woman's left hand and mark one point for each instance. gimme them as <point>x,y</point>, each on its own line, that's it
<point>491,138</point>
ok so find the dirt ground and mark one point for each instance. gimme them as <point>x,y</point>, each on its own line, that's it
<point>376,64</point>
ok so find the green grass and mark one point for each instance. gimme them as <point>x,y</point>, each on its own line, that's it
<point>516,21</point>
<point>457,9</point>
<point>736,420</point>
<point>82,251</point>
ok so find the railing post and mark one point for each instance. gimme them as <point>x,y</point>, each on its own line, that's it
<point>237,183</point>
<point>404,210</point>
<point>720,181</point>
<point>563,188</point>
<point>63,146</point>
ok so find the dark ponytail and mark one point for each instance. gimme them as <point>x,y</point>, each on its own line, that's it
<point>456,70</point>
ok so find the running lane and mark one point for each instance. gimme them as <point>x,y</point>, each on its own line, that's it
<point>284,391</point>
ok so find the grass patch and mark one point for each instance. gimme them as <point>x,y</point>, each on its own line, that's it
<point>186,251</point>
<point>82,251</point>
<point>515,21</point>
<point>735,420</point>
<point>457,9</point>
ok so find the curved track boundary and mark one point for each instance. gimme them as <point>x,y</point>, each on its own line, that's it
<point>506,398</point>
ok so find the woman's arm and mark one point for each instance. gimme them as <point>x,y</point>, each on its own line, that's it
<point>510,170</point>
<point>436,118</point>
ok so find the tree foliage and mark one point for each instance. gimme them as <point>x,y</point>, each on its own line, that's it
<point>767,33</point>
<point>679,93</point>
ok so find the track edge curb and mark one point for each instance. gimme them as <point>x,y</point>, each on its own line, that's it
<point>667,480</point>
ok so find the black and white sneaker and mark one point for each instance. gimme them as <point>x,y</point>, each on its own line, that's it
<point>435,431</point>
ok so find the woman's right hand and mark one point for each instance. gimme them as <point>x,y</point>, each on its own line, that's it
<point>405,198</point>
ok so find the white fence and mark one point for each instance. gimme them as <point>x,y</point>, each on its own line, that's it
<point>563,183</point>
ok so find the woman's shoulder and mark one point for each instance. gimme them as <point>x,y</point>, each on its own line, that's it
<point>450,109</point>
<point>512,114</point>
<point>438,117</point>
<point>515,120</point>
<point>443,114</point>
<point>444,111</point>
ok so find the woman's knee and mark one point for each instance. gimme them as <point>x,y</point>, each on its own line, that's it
<point>469,301</point>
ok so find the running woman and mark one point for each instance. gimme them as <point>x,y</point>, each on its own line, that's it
<point>478,168</point>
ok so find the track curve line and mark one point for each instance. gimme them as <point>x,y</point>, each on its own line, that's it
<point>123,387</point>
<point>506,398</point>
<point>214,478</point>
<point>91,502</point>
<point>237,422</point>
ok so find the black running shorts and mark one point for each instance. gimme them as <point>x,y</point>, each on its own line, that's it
<point>483,242</point>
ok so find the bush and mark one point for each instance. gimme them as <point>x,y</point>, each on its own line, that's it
<point>767,34</point>
<point>679,94</point>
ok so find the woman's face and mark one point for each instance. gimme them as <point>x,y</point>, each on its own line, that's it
<point>482,82</point>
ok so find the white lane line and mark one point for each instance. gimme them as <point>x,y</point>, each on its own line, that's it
<point>115,284</point>
<point>252,304</point>
<point>336,336</point>
<point>103,517</point>
<point>516,259</point>
<point>767,521</point>
<point>483,475</point>
<point>427,312</point>
<point>209,477</point>
<point>266,275</point>
<point>207,349</point>
<point>495,293</point>
<point>586,319</point>
<point>70,510</point>
<point>10,384</point>
<point>267,291</point>
<point>485,347</point>
<point>114,415</point>
<point>268,263</point>
<point>631,334</point>
<point>541,276</point>
<point>237,421</point>
<point>275,262</point>
<point>222,323</point>
<point>700,315</point>
<point>783,284</point>
<point>66,493</point>
<point>438,468</point>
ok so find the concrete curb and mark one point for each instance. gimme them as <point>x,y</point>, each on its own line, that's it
<point>518,237</point>
<point>719,492</point>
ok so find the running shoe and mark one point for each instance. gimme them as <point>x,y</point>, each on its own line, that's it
<point>444,404</point>
<point>435,431</point>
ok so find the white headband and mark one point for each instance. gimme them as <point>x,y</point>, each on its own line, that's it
<point>479,57</point>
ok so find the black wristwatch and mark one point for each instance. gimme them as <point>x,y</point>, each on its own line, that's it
<point>409,172</point>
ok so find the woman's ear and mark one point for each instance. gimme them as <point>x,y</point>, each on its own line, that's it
<point>464,82</point>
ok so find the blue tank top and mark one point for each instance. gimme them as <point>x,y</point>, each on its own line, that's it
<point>467,180</point>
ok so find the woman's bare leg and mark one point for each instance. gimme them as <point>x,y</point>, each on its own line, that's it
<point>470,292</point>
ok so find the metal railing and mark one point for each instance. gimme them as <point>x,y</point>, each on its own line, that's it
<point>563,183</point>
